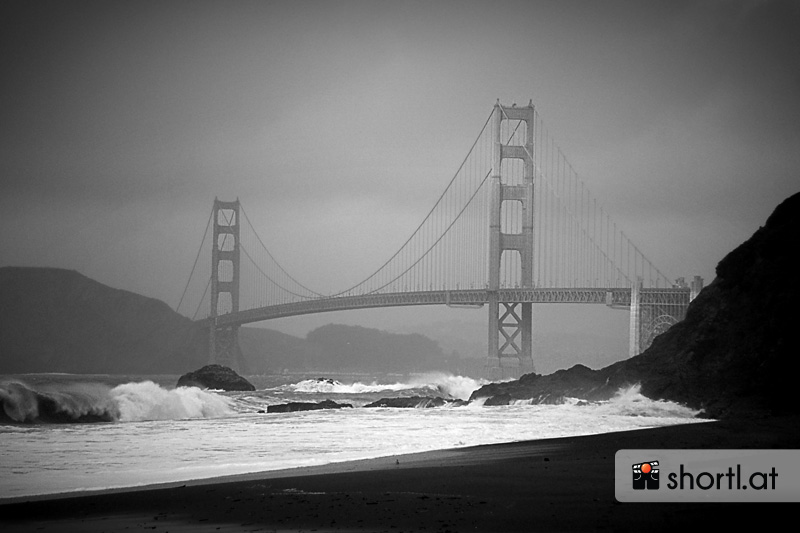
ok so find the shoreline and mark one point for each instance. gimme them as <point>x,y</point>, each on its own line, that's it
<point>350,465</point>
<point>561,484</point>
<point>293,471</point>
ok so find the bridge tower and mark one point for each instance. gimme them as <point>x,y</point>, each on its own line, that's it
<point>510,322</point>
<point>225,255</point>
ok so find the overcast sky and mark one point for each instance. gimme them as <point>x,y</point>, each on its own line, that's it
<point>338,124</point>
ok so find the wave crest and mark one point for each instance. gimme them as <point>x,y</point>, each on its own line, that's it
<point>448,385</point>
<point>325,385</point>
<point>149,401</point>
<point>629,401</point>
<point>459,387</point>
<point>95,402</point>
<point>78,402</point>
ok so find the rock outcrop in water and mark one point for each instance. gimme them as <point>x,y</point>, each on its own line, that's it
<point>415,402</point>
<point>735,353</point>
<point>577,382</point>
<point>306,406</point>
<point>215,377</point>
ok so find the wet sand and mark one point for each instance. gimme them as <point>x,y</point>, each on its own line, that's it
<point>564,484</point>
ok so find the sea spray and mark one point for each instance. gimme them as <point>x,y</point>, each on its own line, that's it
<point>323,385</point>
<point>149,401</point>
<point>153,451</point>
<point>629,401</point>
<point>460,387</point>
<point>433,383</point>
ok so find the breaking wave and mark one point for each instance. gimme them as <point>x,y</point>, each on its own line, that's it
<point>95,402</point>
<point>448,385</point>
<point>627,401</point>
<point>148,401</point>
<point>327,385</point>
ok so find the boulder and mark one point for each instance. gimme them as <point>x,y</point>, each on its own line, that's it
<point>215,377</point>
<point>577,382</point>
<point>417,402</point>
<point>305,406</point>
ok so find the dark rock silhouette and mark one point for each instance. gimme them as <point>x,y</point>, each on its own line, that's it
<point>56,320</point>
<point>735,353</point>
<point>215,377</point>
<point>306,406</point>
<point>418,402</point>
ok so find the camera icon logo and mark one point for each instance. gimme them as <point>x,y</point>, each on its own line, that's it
<point>645,475</point>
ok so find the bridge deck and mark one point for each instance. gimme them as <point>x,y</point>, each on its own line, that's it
<point>614,297</point>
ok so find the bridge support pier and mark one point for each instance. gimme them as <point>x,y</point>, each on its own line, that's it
<point>223,347</point>
<point>635,330</point>
<point>511,331</point>
<point>653,311</point>
<point>510,346</point>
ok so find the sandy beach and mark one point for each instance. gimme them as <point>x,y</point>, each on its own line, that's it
<point>564,484</point>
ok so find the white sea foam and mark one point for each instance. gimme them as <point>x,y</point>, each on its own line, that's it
<point>629,401</point>
<point>149,401</point>
<point>335,387</point>
<point>454,386</point>
<point>173,435</point>
<point>434,383</point>
<point>92,402</point>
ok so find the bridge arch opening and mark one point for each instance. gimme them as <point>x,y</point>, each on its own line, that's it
<point>511,216</point>
<point>511,269</point>
<point>225,270</point>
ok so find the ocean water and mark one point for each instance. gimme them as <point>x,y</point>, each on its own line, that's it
<point>62,433</point>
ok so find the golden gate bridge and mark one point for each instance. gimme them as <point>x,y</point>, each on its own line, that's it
<point>514,227</point>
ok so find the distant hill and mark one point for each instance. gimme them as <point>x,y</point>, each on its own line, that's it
<point>267,351</point>
<point>55,320</point>
<point>340,348</point>
<point>354,347</point>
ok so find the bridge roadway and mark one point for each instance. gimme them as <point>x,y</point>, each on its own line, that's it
<point>614,297</point>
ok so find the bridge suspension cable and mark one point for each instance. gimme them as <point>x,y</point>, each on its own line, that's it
<point>267,281</point>
<point>425,254</point>
<point>360,287</point>
<point>576,242</point>
<point>194,266</point>
<point>202,300</point>
<point>309,292</point>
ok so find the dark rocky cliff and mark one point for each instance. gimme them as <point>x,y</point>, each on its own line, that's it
<point>736,352</point>
<point>55,320</point>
